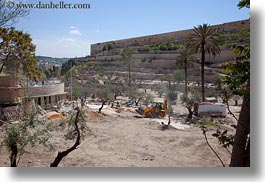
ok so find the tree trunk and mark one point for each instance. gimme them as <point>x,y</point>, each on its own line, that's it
<point>186,77</point>
<point>63,154</point>
<point>190,112</point>
<point>206,139</point>
<point>247,160</point>
<point>2,67</point>
<point>129,73</point>
<point>137,102</point>
<point>13,156</point>
<point>169,85</point>
<point>202,73</point>
<point>169,120</point>
<point>103,103</point>
<point>241,148</point>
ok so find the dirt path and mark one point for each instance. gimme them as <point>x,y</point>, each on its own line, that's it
<point>125,141</point>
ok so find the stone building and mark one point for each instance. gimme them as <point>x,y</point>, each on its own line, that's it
<point>48,94</point>
<point>10,90</point>
<point>45,95</point>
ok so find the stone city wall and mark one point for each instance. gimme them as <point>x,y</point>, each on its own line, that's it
<point>163,38</point>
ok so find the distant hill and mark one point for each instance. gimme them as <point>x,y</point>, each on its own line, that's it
<point>52,60</point>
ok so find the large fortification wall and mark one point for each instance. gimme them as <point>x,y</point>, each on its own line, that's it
<point>163,38</point>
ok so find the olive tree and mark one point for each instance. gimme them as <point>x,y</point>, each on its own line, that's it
<point>134,94</point>
<point>31,130</point>
<point>189,100</point>
<point>28,131</point>
<point>104,94</point>
<point>76,127</point>
<point>17,51</point>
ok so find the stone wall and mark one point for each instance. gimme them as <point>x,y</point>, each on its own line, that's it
<point>163,38</point>
<point>10,95</point>
<point>10,113</point>
<point>9,90</point>
<point>45,90</point>
<point>15,113</point>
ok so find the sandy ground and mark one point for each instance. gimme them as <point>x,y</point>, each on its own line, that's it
<point>123,140</point>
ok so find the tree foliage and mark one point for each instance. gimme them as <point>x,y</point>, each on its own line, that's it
<point>238,76</point>
<point>116,89</point>
<point>244,3</point>
<point>53,72</point>
<point>185,61</point>
<point>189,100</point>
<point>224,138</point>
<point>204,42</point>
<point>169,46</point>
<point>238,73</point>
<point>17,52</point>
<point>238,80</point>
<point>104,94</point>
<point>28,132</point>
<point>32,130</point>
<point>134,94</point>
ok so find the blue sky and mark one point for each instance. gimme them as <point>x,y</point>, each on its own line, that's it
<point>69,33</point>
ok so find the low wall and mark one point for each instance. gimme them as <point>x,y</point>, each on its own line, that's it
<point>13,95</point>
<point>45,90</point>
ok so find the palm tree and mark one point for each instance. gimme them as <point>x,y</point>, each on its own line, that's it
<point>183,61</point>
<point>203,41</point>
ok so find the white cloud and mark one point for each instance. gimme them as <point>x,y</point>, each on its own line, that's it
<point>74,31</point>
